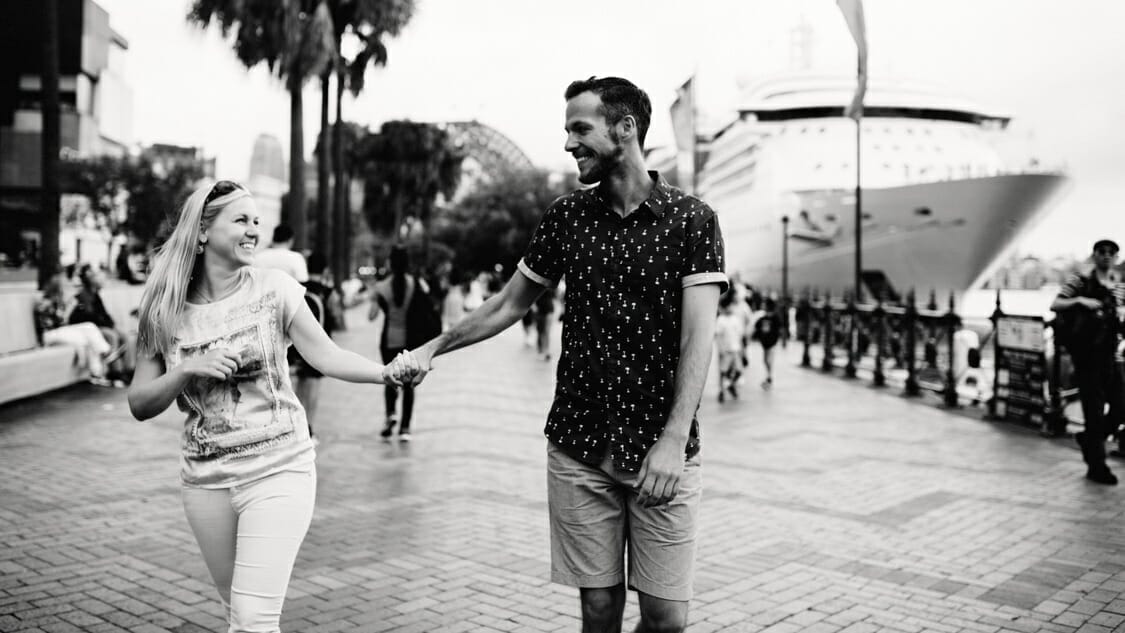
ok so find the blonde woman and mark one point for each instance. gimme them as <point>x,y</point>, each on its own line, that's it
<point>213,337</point>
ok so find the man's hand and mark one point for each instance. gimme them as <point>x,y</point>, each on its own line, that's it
<point>659,478</point>
<point>423,358</point>
<point>401,371</point>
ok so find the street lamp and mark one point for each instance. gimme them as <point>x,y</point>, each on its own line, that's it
<point>784,280</point>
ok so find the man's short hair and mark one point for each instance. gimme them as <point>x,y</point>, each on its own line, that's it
<point>620,98</point>
<point>1100,244</point>
<point>282,233</point>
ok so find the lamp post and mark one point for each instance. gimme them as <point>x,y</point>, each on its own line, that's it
<point>784,280</point>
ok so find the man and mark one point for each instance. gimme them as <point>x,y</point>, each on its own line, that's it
<point>1088,327</point>
<point>643,264</point>
<point>280,255</point>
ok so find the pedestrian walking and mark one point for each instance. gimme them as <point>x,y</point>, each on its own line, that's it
<point>279,255</point>
<point>643,263</point>
<point>213,334</point>
<point>730,336</point>
<point>544,317</point>
<point>1088,325</point>
<point>410,317</point>
<point>327,306</point>
<point>767,331</point>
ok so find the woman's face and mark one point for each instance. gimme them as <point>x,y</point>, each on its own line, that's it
<point>233,235</point>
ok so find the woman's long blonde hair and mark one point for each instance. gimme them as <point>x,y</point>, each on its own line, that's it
<point>175,263</point>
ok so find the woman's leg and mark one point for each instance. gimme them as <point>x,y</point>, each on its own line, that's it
<point>407,412</point>
<point>273,517</point>
<point>215,524</point>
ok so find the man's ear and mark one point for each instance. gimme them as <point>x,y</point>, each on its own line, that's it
<point>627,127</point>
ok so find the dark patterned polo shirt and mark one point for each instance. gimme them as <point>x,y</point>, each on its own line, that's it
<point>621,326</point>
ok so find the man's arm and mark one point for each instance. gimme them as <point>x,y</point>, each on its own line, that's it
<point>492,317</point>
<point>659,478</point>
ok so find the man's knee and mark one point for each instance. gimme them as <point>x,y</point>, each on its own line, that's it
<point>662,616</point>
<point>603,605</point>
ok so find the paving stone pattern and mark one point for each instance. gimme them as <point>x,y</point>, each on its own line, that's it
<point>829,507</point>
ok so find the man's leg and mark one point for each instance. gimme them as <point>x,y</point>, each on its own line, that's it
<point>588,518</point>
<point>662,616</point>
<point>602,609</point>
<point>662,553</point>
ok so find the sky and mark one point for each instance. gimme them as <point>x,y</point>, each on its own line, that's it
<point>1057,68</point>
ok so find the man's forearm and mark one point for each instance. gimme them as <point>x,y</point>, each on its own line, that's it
<point>491,318</point>
<point>691,373</point>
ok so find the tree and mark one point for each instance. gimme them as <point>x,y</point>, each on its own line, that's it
<point>49,190</point>
<point>369,21</point>
<point>294,38</point>
<point>405,167</point>
<point>494,223</point>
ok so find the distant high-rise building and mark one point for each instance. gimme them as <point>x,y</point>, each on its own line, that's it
<point>268,159</point>
<point>96,105</point>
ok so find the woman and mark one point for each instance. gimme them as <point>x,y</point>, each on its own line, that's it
<point>392,296</point>
<point>90,347</point>
<point>213,336</point>
<point>767,331</point>
<point>89,308</point>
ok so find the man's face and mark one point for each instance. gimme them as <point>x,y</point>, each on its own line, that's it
<point>589,138</point>
<point>1104,257</point>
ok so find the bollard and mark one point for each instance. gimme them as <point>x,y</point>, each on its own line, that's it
<point>853,326</point>
<point>828,334</point>
<point>910,319</point>
<point>949,389</point>
<point>879,318</point>
<point>806,335</point>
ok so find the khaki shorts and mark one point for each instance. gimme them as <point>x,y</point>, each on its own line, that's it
<point>594,515</point>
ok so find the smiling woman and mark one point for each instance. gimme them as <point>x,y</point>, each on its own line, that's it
<point>214,332</point>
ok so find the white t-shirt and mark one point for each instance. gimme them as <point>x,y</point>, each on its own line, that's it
<point>729,330</point>
<point>251,425</point>
<point>284,259</point>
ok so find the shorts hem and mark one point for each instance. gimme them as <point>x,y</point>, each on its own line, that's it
<point>585,581</point>
<point>680,594</point>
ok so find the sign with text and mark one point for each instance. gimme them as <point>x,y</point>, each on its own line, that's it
<point>1021,369</point>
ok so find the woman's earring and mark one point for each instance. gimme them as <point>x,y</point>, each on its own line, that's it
<point>199,249</point>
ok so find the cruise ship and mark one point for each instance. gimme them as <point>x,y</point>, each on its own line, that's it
<point>940,207</point>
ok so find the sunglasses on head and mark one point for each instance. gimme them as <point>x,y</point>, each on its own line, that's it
<point>220,189</point>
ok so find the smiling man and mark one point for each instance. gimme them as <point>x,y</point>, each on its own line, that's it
<point>643,264</point>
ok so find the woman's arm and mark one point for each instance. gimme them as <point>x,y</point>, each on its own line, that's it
<point>153,388</point>
<point>321,352</point>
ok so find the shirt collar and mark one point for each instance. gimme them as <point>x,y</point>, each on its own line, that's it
<point>658,199</point>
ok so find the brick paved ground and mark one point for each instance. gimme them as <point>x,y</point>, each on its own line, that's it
<point>829,507</point>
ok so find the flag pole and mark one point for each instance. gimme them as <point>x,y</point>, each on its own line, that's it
<point>858,193</point>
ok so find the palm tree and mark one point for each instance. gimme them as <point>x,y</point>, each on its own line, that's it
<point>295,40</point>
<point>49,190</point>
<point>369,21</point>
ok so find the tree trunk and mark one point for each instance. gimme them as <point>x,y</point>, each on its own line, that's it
<point>323,173</point>
<point>297,201</point>
<point>341,201</point>
<point>49,184</point>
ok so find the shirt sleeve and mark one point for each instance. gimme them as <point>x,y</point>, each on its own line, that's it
<point>704,263</point>
<point>300,268</point>
<point>1072,288</point>
<point>544,260</point>
<point>291,293</point>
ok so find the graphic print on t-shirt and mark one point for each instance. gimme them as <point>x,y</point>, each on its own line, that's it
<point>241,414</point>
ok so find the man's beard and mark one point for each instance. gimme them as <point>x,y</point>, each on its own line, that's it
<point>603,166</point>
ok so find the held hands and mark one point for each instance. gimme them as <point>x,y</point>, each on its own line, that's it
<point>219,364</point>
<point>659,478</point>
<point>409,368</point>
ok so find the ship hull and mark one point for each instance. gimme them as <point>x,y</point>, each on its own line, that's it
<point>943,237</point>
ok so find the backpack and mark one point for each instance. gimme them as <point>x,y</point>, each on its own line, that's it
<point>423,317</point>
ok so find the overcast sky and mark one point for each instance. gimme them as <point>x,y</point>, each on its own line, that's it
<point>1057,68</point>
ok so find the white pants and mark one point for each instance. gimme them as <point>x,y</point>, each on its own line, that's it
<point>87,341</point>
<point>249,536</point>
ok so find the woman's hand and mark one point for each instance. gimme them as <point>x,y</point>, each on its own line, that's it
<point>402,369</point>
<point>219,364</point>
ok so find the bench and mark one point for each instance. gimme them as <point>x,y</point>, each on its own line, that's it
<point>29,369</point>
